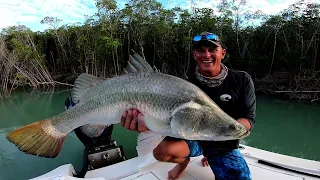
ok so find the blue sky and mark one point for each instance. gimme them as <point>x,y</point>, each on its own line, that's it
<point>31,12</point>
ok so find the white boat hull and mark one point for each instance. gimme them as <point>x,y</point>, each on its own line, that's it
<point>147,168</point>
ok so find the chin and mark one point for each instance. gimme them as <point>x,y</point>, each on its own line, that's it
<point>207,67</point>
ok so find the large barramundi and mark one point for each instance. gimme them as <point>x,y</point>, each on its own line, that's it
<point>171,107</point>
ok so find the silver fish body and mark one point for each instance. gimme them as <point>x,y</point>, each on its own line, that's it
<point>157,96</point>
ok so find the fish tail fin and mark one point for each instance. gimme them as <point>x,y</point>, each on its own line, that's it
<point>39,138</point>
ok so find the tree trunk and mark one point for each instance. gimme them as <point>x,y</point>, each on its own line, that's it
<point>274,51</point>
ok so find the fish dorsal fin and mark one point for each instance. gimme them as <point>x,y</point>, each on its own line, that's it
<point>83,83</point>
<point>137,63</point>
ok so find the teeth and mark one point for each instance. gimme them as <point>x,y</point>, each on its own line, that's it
<point>206,61</point>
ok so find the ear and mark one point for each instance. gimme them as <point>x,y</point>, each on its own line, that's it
<point>223,53</point>
<point>194,54</point>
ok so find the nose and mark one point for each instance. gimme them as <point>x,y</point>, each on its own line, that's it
<point>206,53</point>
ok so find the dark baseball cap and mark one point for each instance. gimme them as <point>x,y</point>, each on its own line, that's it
<point>206,38</point>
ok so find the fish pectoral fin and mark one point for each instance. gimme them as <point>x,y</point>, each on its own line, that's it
<point>156,125</point>
<point>83,83</point>
<point>147,141</point>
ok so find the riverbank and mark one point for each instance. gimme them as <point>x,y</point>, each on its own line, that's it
<point>288,86</point>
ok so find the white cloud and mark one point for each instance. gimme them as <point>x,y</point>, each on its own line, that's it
<point>31,12</point>
<point>266,6</point>
<point>205,4</point>
<point>271,6</point>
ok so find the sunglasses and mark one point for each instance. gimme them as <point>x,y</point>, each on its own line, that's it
<point>207,36</point>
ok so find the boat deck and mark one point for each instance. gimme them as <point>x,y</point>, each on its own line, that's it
<point>196,172</point>
<point>147,168</point>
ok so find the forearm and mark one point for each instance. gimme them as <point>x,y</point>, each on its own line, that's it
<point>248,117</point>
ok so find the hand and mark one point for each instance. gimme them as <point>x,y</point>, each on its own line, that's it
<point>133,120</point>
<point>245,122</point>
<point>204,162</point>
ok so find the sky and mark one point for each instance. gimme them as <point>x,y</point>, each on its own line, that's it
<point>31,12</point>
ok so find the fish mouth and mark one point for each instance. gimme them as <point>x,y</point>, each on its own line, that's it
<point>243,135</point>
<point>239,135</point>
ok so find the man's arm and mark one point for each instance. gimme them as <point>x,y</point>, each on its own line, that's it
<point>249,103</point>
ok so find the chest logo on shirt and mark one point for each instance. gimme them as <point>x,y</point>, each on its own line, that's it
<point>225,97</point>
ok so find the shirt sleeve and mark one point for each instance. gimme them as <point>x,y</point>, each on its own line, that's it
<point>249,100</point>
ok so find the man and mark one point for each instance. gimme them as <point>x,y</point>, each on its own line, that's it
<point>233,91</point>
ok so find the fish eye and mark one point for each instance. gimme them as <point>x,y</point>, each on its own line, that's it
<point>232,127</point>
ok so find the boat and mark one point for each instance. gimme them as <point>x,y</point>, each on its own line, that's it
<point>264,165</point>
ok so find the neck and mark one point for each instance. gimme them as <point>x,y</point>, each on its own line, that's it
<point>213,78</point>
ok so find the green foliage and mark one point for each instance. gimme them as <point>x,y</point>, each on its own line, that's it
<point>286,42</point>
<point>21,41</point>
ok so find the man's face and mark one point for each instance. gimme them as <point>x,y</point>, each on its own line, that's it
<point>208,58</point>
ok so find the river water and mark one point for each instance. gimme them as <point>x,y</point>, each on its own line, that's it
<point>285,127</point>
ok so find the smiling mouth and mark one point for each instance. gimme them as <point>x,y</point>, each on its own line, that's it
<point>206,62</point>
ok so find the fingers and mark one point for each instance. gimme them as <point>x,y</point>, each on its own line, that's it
<point>204,162</point>
<point>123,118</point>
<point>141,124</point>
<point>132,119</point>
<point>128,119</point>
<point>170,176</point>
